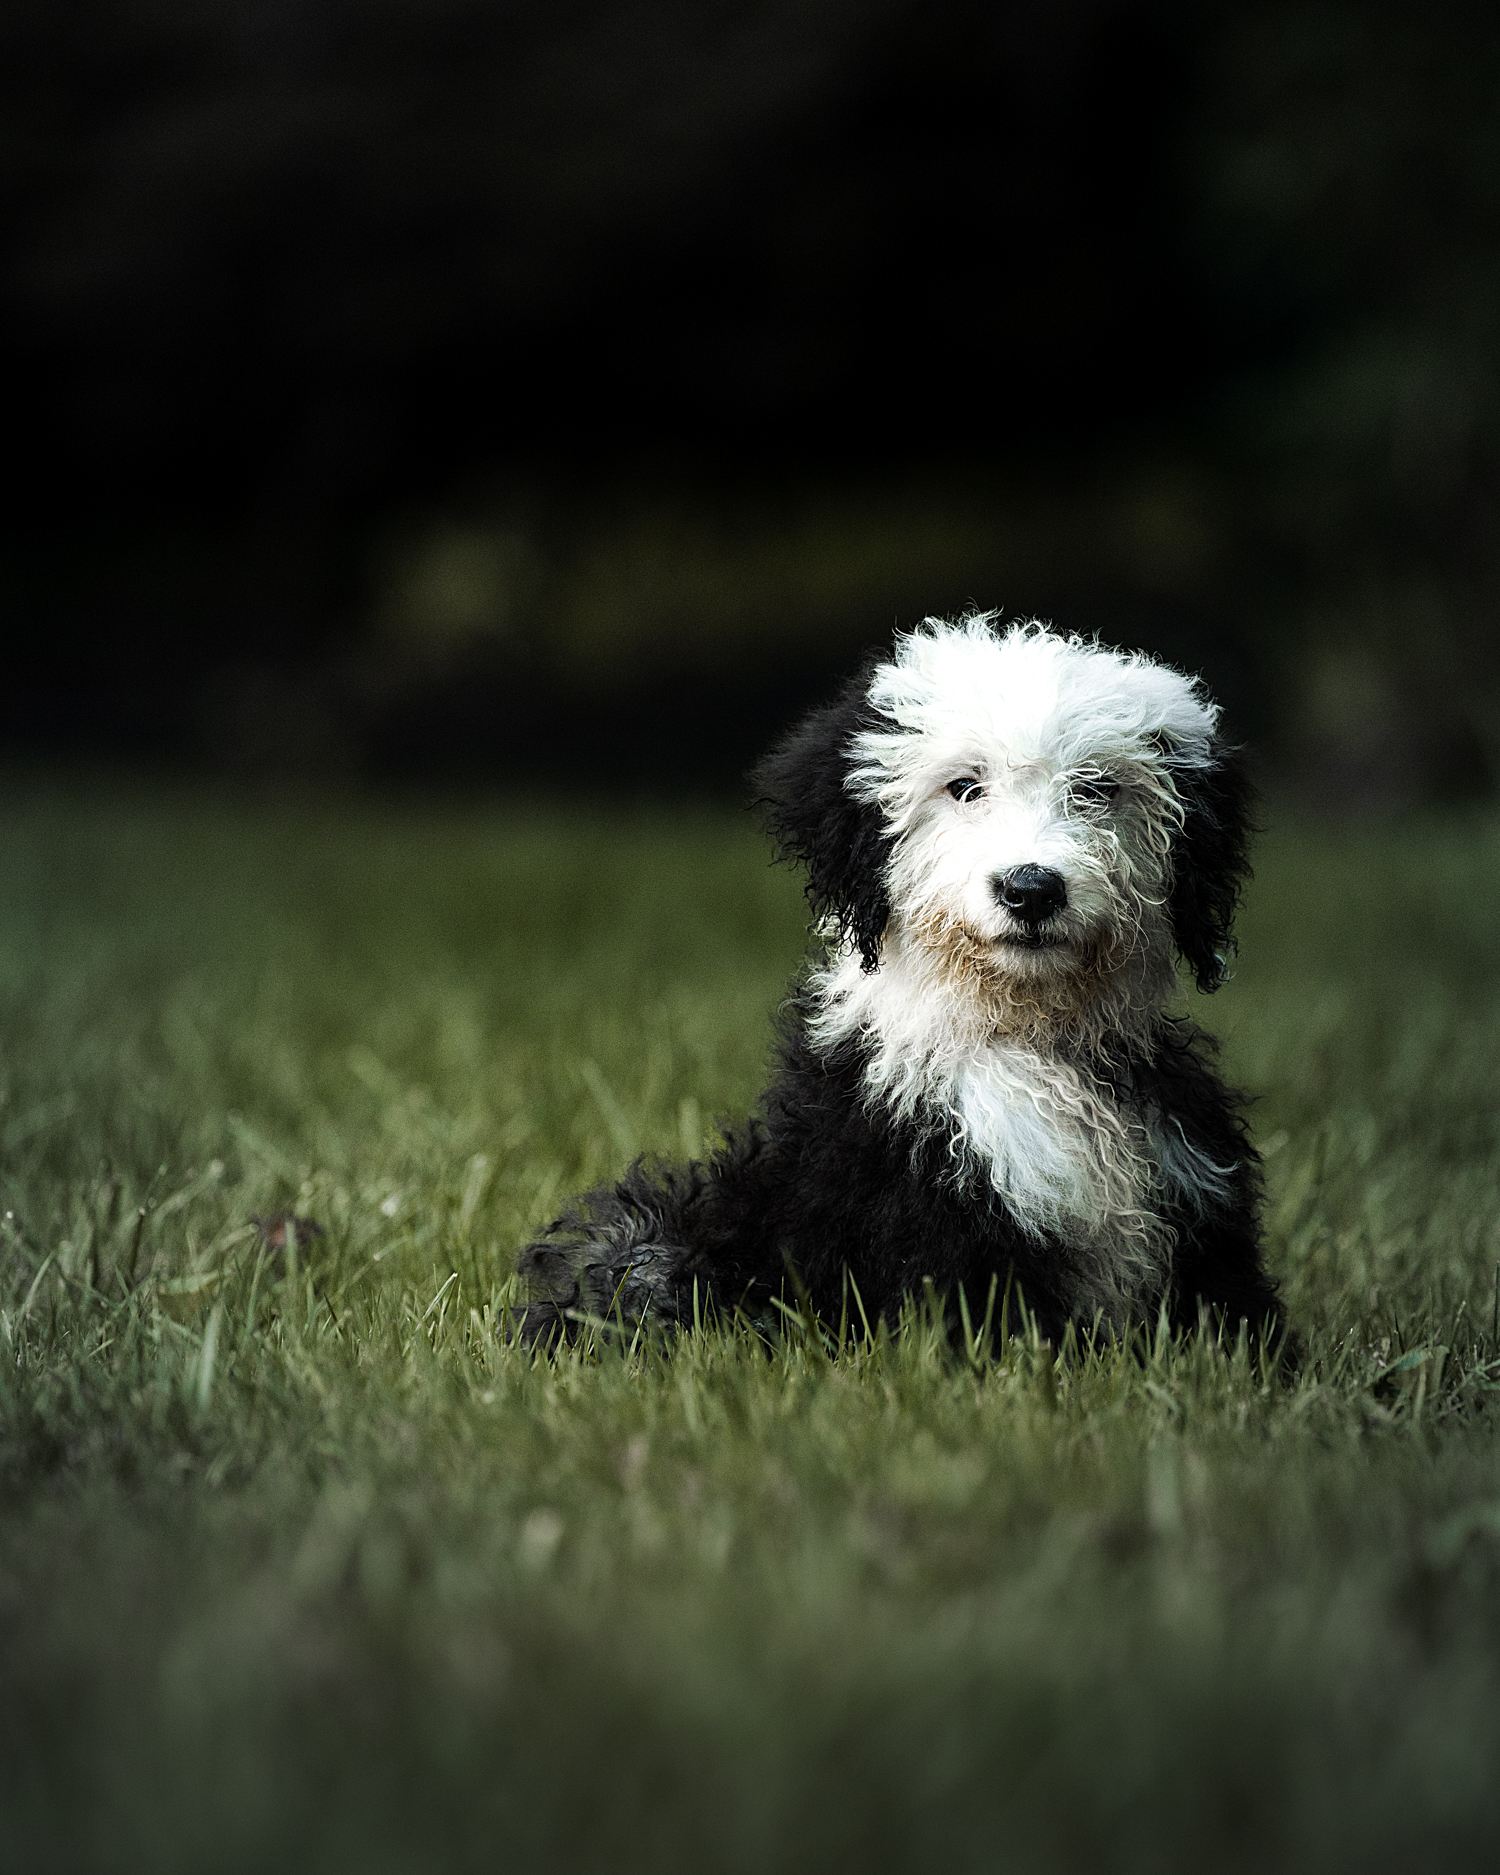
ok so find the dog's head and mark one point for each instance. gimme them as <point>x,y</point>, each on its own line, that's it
<point>1038,810</point>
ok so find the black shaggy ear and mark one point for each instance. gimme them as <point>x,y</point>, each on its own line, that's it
<point>1211,861</point>
<point>844,843</point>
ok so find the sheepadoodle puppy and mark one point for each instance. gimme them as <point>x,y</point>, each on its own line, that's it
<point>1010,837</point>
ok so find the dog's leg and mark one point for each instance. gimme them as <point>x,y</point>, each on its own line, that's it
<point>1218,1273</point>
<point>607,1259</point>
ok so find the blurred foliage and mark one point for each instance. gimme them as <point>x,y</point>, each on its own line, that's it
<point>698,581</point>
<point>369,362</point>
<point>1354,187</point>
<point>323,259</point>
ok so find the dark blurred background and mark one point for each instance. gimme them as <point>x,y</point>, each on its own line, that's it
<point>568,389</point>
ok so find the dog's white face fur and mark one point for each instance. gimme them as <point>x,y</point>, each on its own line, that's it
<point>1021,755</point>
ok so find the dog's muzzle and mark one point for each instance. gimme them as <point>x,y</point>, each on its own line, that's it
<point>1032,895</point>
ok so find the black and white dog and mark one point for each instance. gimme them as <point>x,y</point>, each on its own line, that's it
<point>1010,837</point>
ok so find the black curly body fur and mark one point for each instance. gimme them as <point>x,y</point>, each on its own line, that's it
<point>835,1189</point>
<point>823,1183</point>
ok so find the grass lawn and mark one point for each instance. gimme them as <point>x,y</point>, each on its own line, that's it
<point>300,1566</point>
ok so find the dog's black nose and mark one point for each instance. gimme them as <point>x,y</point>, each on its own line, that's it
<point>1031,893</point>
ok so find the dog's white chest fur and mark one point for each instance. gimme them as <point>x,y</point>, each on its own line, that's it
<point>1060,1153</point>
<point>1064,1155</point>
<point>1068,1161</point>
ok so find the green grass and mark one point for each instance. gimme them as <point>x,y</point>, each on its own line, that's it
<point>301,1566</point>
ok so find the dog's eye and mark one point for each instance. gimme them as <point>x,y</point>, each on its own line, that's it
<point>966,789</point>
<point>1097,791</point>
